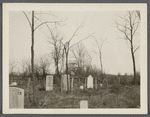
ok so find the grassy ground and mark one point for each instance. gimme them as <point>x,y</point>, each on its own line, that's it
<point>127,96</point>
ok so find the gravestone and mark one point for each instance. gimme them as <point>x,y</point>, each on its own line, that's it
<point>110,101</point>
<point>16,97</point>
<point>13,84</point>
<point>81,87</point>
<point>72,79</point>
<point>64,83</point>
<point>85,82</point>
<point>116,83</point>
<point>43,82</point>
<point>49,82</point>
<point>105,84</point>
<point>83,104</point>
<point>72,83</point>
<point>90,82</point>
<point>101,85</point>
<point>95,82</point>
<point>68,82</point>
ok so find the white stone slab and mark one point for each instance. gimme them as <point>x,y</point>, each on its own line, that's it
<point>90,82</point>
<point>83,104</point>
<point>81,87</point>
<point>16,97</point>
<point>49,82</point>
<point>64,83</point>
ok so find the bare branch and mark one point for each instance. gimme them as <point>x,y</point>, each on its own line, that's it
<point>47,22</point>
<point>135,29</point>
<point>95,52</point>
<point>27,18</point>
<point>81,40</point>
<point>138,12</point>
<point>136,49</point>
<point>47,14</point>
<point>80,26</point>
<point>123,31</point>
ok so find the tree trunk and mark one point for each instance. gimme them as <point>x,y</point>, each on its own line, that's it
<point>67,70</point>
<point>134,67</point>
<point>100,56</point>
<point>32,60</point>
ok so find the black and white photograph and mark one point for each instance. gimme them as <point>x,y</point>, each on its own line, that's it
<point>74,58</point>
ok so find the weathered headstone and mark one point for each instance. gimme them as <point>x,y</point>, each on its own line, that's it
<point>72,83</point>
<point>95,82</point>
<point>64,83</point>
<point>83,104</point>
<point>105,84</point>
<point>116,83</point>
<point>72,79</point>
<point>43,82</point>
<point>81,87</point>
<point>49,82</point>
<point>101,85</point>
<point>16,97</point>
<point>110,101</point>
<point>68,82</point>
<point>90,82</point>
<point>85,82</point>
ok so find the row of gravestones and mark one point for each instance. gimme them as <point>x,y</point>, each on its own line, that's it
<point>49,82</point>
<point>16,99</point>
<point>89,83</point>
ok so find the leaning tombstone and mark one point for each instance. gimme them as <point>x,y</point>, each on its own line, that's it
<point>16,97</point>
<point>110,101</point>
<point>83,104</point>
<point>49,82</point>
<point>116,83</point>
<point>90,82</point>
<point>105,84</point>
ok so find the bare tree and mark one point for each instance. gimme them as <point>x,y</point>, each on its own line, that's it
<point>128,28</point>
<point>33,29</point>
<point>80,56</point>
<point>44,63</point>
<point>55,41</point>
<point>99,43</point>
<point>67,46</point>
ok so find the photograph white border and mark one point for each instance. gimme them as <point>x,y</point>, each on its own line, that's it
<point>142,7</point>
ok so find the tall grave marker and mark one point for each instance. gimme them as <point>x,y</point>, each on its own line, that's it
<point>49,82</point>
<point>64,83</point>
<point>90,82</point>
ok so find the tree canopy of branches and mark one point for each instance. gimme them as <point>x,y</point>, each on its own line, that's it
<point>99,43</point>
<point>129,28</point>
<point>33,29</point>
<point>80,57</point>
<point>56,53</point>
<point>67,46</point>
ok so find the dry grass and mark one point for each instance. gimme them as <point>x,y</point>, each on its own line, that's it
<point>127,96</point>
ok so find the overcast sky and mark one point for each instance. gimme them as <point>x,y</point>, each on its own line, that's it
<point>116,52</point>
